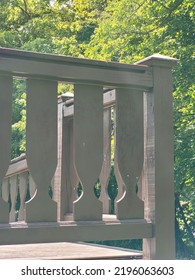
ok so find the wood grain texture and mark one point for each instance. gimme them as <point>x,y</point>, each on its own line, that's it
<point>158,182</point>
<point>129,150</point>
<point>5,137</point>
<point>88,133</point>
<point>41,147</point>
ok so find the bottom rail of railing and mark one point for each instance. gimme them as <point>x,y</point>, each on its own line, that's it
<point>67,231</point>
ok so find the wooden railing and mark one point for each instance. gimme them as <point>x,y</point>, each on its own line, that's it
<point>73,149</point>
<point>17,188</point>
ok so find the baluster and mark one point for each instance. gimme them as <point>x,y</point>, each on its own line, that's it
<point>22,190</point>
<point>129,150</point>
<point>5,190</point>
<point>41,147</point>
<point>32,186</point>
<point>13,197</point>
<point>5,137</point>
<point>105,172</point>
<point>88,133</point>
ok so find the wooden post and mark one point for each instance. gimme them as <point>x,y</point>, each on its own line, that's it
<point>158,181</point>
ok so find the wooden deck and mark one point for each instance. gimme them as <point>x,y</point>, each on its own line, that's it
<point>66,251</point>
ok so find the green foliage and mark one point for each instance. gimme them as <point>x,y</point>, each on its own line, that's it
<point>18,118</point>
<point>117,30</point>
<point>131,30</point>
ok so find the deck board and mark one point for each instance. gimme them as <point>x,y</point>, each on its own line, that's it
<point>66,251</point>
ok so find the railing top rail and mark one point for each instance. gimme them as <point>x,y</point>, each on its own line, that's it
<point>61,59</point>
<point>74,70</point>
<point>18,165</point>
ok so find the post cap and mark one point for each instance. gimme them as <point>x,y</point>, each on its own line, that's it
<point>158,60</point>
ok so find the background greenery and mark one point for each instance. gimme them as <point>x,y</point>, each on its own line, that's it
<point>117,30</point>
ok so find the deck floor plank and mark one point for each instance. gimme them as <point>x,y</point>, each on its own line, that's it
<point>66,251</point>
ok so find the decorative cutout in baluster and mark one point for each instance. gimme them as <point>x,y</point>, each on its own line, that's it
<point>88,133</point>
<point>32,187</point>
<point>120,183</point>
<point>13,197</point>
<point>23,184</point>
<point>119,180</point>
<point>129,150</point>
<point>41,147</point>
<point>105,172</point>
<point>5,137</point>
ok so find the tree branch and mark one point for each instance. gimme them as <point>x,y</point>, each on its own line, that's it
<point>25,5</point>
<point>162,5</point>
<point>24,11</point>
